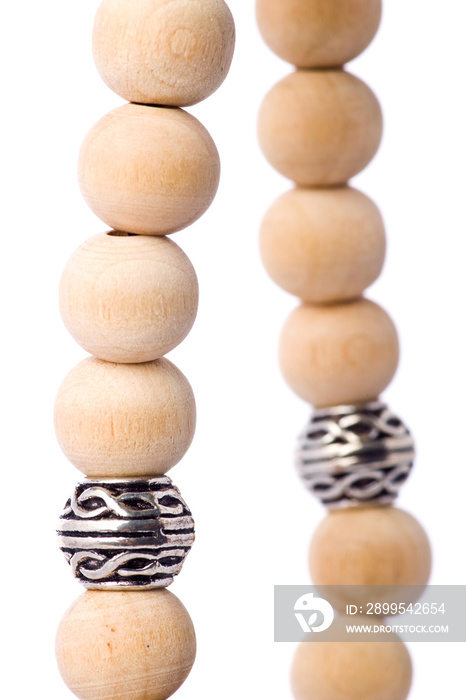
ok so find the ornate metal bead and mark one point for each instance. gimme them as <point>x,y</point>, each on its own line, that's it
<point>131,533</point>
<point>349,455</point>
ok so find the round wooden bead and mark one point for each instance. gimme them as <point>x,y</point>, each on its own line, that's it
<point>151,170</point>
<point>318,33</point>
<point>175,52</point>
<point>378,668</point>
<point>320,127</point>
<point>113,645</point>
<point>341,354</point>
<point>378,546</point>
<point>124,420</point>
<point>127,298</point>
<point>323,245</point>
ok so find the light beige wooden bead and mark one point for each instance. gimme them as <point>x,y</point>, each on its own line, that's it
<point>170,52</point>
<point>320,127</point>
<point>114,645</point>
<point>318,33</point>
<point>373,546</point>
<point>124,420</point>
<point>378,668</point>
<point>127,298</point>
<point>339,354</point>
<point>323,245</point>
<point>151,170</point>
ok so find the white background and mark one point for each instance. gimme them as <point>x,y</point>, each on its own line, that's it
<point>254,519</point>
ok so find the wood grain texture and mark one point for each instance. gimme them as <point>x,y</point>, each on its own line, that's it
<point>323,245</point>
<point>167,52</point>
<point>375,669</point>
<point>320,127</point>
<point>318,33</point>
<point>113,645</point>
<point>128,298</point>
<point>149,170</point>
<point>370,546</point>
<point>124,420</point>
<point>339,354</point>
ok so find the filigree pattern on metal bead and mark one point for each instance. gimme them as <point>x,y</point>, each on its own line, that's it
<point>129,533</point>
<point>349,455</point>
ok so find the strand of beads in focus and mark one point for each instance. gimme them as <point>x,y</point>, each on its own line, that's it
<point>126,415</point>
<point>324,242</point>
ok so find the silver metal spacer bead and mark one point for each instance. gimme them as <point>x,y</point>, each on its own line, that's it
<point>126,533</point>
<point>350,455</point>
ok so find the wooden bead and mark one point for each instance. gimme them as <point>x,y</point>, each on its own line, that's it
<point>318,33</point>
<point>159,52</point>
<point>114,645</point>
<point>340,354</point>
<point>323,245</point>
<point>378,546</point>
<point>375,669</point>
<point>151,170</point>
<point>320,127</point>
<point>127,298</point>
<point>124,420</point>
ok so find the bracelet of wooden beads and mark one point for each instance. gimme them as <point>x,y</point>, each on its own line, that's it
<point>126,415</point>
<point>324,242</point>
